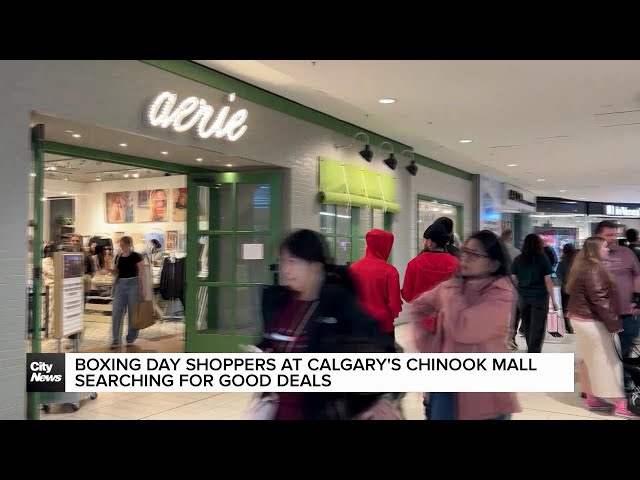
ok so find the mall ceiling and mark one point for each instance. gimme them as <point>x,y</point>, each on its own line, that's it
<point>557,128</point>
<point>70,132</point>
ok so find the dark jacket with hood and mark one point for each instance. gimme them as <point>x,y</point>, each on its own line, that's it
<point>338,325</point>
<point>378,282</point>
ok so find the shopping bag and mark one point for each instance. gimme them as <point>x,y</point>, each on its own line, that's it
<point>143,316</point>
<point>553,324</point>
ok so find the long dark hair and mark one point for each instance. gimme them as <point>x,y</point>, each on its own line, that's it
<point>312,247</point>
<point>495,249</point>
<point>447,223</point>
<point>306,245</point>
<point>531,248</point>
<point>568,253</point>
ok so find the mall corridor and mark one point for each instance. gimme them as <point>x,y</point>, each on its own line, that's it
<point>234,406</point>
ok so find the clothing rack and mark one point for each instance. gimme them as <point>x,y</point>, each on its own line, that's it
<point>162,315</point>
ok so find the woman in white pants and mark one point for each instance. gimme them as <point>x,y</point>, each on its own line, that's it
<point>592,305</point>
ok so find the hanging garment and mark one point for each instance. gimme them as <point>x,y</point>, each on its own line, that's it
<point>173,278</point>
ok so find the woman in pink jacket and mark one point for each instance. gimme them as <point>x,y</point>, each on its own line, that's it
<point>473,312</point>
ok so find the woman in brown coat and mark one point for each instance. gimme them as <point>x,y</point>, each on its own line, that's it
<point>593,313</point>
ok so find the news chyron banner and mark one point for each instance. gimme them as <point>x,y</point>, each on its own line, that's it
<point>283,372</point>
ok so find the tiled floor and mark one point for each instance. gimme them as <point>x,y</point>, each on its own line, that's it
<point>162,337</point>
<point>234,406</point>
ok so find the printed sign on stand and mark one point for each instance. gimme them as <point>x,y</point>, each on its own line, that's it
<point>69,298</point>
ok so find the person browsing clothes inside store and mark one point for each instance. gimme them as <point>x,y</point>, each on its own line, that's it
<point>128,290</point>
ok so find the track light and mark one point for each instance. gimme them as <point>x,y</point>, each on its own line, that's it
<point>367,153</point>
<point>411,168</point>
<point>391,161</point>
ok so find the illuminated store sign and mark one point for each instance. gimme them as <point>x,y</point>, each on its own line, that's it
<point>195,113</point>
<point>622,211</point>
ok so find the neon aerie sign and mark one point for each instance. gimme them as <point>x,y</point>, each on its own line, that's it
<point>195,112</point>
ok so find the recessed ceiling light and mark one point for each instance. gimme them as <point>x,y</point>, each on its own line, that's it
<point>582,198</point>
<point>66,179</point>
<point>123,144</point>
<point>70,131</point>
<point>466,141</point>
<point>229,165</point>
<point>126,175</point>
<point>76,135</point>
<point>198,159</point>
<point>98,179</point>
<point>33,174</point>
<point>64,193</point>
<point>136,175</point>
<point>53,167</point>
<point>387,100</point>
<point>562,191</point>
<point>165,153</point>
<point>512,165</point>
<point>542,180</point>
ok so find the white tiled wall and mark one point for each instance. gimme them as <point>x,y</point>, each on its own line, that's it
<point>113,94</point>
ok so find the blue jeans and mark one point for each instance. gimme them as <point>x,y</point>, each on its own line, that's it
<point>506,416</point>
<point>126,295</point>
<point>631,330</point>
<point>441,406</point>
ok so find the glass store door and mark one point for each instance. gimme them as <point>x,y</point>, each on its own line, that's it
<point>232,234</point>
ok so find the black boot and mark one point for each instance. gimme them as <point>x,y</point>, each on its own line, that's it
<point>567,326</point>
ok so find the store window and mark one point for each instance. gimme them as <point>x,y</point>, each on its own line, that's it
<point>346,228</point>
<point>430,209</point>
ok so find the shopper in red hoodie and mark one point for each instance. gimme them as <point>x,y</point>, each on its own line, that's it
<point>378,282</point>
<point>431,267</point>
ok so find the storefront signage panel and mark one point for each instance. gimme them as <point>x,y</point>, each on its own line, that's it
<point>627,210</point>
<point>195,113</point>
<point>622,211</point>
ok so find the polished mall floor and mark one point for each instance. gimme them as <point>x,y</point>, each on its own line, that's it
<point>234,406</point>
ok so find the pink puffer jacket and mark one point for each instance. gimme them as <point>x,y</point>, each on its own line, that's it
<point>473,317</point>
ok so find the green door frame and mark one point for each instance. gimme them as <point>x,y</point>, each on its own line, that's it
<point>39,147</point>
<point>459,226</point>
<point>209,340</point>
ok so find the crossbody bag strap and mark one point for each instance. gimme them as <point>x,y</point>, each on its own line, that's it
<point>303,324</point>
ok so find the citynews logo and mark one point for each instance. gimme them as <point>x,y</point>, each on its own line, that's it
<point>45,372</point>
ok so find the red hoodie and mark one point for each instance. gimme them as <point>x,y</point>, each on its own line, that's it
<point>377,281</point>
<point>425,272</point>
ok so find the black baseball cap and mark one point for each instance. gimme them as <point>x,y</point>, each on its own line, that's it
<point>437,234</point>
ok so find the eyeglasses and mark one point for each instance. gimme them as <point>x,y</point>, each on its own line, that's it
<point>160,202</point>
<point>473,254</point>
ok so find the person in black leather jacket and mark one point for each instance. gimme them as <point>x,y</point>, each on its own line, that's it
<point>315,310</point>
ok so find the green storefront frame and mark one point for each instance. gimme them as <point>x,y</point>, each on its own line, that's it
<point>459,224</point>
<point>355,233</point>
<point>194,342</point>
<point>214,336</point>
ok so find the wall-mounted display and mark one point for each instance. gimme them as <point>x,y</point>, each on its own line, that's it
<point>179,201</point>
<point>152,206</point>
<point>172,240</point>
<point>119,207</point>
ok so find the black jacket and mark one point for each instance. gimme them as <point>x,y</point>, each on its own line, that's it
<point>338,325</point>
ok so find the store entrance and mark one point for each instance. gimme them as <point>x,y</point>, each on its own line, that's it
<point>232,231</point>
